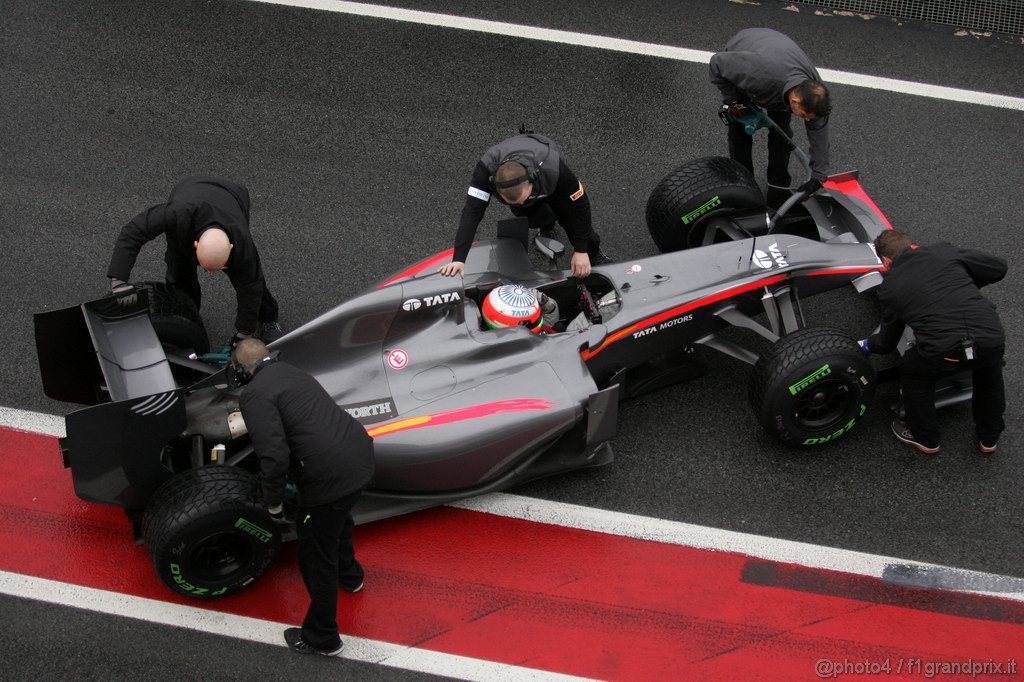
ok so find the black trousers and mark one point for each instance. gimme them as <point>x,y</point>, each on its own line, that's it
<point>741,147</point>
<point>545,213</point>
<point>326,559</point>
<point>918,375</point>
<point>183,273</point>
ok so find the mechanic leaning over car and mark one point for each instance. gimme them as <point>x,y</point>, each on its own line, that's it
<point>206,222</point>
<point>299,432</point>
<point>529,174</point>
<point>767,68</point>
<point>935,291</point>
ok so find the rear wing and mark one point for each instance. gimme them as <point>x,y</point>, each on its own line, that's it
<point>109,357</point>
<point>100,351</point>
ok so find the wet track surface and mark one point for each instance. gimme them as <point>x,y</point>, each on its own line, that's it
<point>356,138</point>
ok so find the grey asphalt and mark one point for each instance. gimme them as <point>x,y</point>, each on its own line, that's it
<point>356,138</point>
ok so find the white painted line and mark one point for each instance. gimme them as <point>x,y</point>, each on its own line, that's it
<point>756,546</point>
<point>637,47</point>
<point>264,632</point>
<point>683,534</point>
<point>33,422</point>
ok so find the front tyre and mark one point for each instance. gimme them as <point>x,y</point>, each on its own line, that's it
<point>207,533</point>
<point>683,209</point>
<point>812,387</point>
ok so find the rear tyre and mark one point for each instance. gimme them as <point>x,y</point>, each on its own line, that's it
<point>175,318</point>
<point>207,533</point>
<point>812,387</point>
<point>681,207</point>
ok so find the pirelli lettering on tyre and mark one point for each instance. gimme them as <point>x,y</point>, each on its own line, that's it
<point>253,530</point>
<point>713,202</point>
<point>193,589</point>
<point>835,434</point>
<point>810,379</point>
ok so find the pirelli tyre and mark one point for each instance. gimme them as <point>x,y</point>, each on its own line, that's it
<point>175,318</point>
<point>812,387</point>
<point>680,209</point>
<point>207,533</point>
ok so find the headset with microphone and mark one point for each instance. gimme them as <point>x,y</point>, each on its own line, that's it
<point>240,375</point>
<point>525,160</point>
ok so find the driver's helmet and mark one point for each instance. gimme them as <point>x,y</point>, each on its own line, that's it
<point>512,305</point>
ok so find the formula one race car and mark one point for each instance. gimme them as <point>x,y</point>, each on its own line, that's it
<point>457,409</point>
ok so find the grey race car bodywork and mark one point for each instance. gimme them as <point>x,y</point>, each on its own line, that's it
<point>455,410</point>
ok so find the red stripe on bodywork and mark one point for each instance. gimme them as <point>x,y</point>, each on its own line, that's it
<point>851,187</point>
<point>418,268</point>
<point>587,353</point>
<point>532,595</point>
<point>461,414</point>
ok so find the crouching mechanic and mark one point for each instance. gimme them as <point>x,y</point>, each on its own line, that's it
<point>767,68</point>
<point>935,291</point>
<point>528,173</point>
<point>206,223</point>
<point>298,432</point>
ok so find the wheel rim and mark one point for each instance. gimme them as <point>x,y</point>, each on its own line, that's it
<point>220,556</point>
<point>823,405</point>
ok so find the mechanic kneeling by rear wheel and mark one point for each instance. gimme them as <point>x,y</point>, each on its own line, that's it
<point>299,432</point>
<point>935,291</point>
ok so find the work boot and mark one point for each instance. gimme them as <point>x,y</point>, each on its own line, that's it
<point>903,434</point>
<point>600,259</point>
<point>987,448</point>
<point>352,579</point>
<point>270,331</point>
<point>300,646</point>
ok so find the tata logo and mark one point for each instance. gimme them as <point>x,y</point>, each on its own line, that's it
<point>764,260</point>
<point>438,299</point>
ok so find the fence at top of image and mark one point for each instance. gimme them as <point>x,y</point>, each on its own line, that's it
<point>1002,16</point>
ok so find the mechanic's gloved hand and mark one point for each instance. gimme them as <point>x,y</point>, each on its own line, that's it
<point>125,293</point>
<point>863,343</point>
<point>811,186</point>
<point>238,337</point>
<point>277,513</point>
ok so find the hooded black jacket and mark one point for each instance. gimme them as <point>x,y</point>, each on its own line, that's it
<point>935,291</point>
<point>299,431</point>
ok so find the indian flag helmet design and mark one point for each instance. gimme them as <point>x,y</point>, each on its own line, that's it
<point>512,305</point>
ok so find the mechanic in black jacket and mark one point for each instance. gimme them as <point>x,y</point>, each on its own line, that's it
<point>935,291</point>
<point>206,223</point>
<point>528,173</point>
<point>299,432</point>
<point>767,68</point>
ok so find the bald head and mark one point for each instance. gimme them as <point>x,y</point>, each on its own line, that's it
<point>248,352</point>
<point>213,249</point>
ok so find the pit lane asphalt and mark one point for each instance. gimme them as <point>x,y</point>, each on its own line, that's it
<point>357,136</point>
